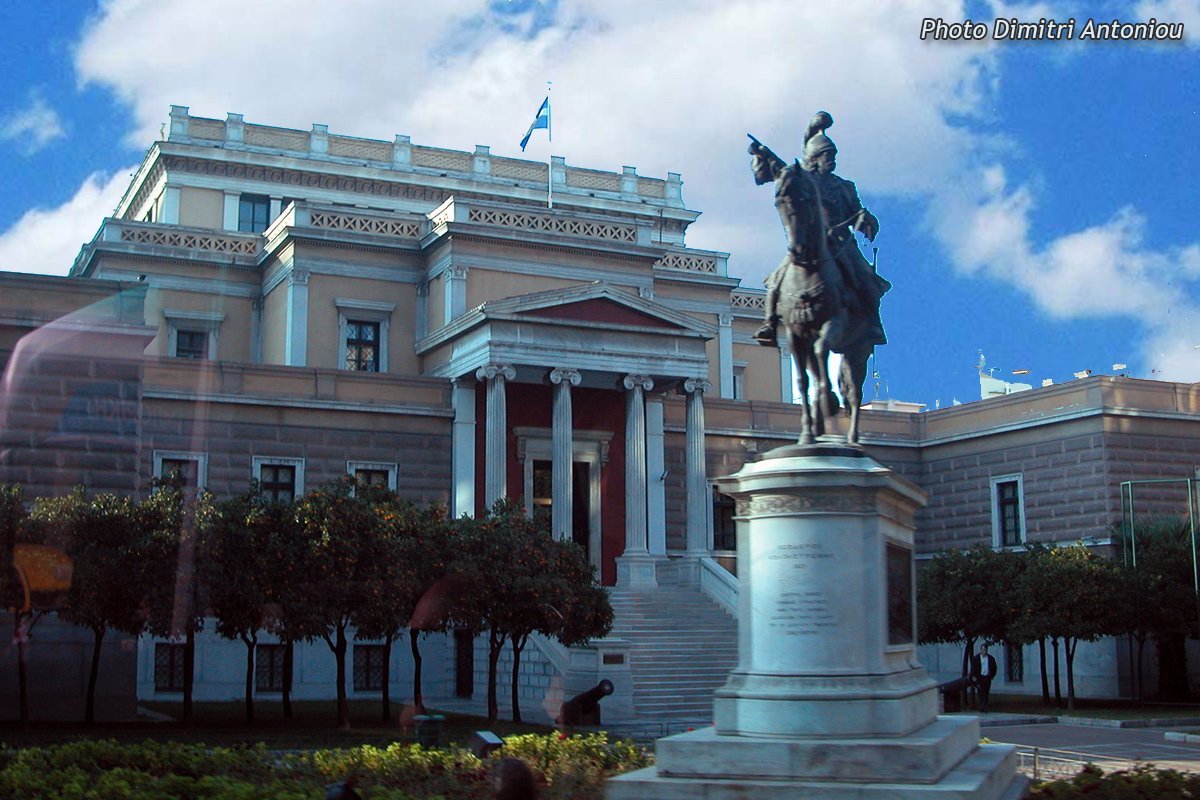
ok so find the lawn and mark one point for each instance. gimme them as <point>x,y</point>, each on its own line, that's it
<point>313,726</point>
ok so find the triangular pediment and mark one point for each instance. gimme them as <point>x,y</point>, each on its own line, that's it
<point>594,303</point>
<point>602,310</point>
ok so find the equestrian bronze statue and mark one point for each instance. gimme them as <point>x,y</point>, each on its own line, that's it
<point>825,293</point>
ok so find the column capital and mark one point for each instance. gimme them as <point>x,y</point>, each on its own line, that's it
<point>493,371</point>
<point>692,385</point>
<point>570,377</point>
<point>633,381</point>
<point>724,320</point>
<point>458,271</point>
<point>299,277</point>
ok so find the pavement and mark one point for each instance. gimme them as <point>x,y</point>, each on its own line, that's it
<point>1052,749</point>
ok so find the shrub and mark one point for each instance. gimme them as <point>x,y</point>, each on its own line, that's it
<point>566,767</point>
<point>1143,781</point>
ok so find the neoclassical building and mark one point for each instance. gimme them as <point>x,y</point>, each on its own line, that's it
<point>293,306</point>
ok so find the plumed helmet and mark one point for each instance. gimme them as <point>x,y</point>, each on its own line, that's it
<point>815,140</point>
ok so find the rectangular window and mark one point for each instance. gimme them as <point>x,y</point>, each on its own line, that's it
<point>191,344</point>
<point>268,667</point>
<point>1008,513</point>
<point>368,667</point>
<point>278,481</point>
<point>362,346</point>
<point>254,211</point>
<point>185,469</point>
<point>371,477</point>
<point>373,473</point>
<point>279,477</point>
<point>192,467</point>
<point>1014,663</point>
<point>168,667</point>
<point>724,529</point>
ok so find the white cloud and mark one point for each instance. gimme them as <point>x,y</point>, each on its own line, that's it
<point>663,86</point>
<point>46,241</point>
<point>33,127</point>
<point>1185,11</point>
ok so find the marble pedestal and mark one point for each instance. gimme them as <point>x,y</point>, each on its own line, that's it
<point>827,700</point>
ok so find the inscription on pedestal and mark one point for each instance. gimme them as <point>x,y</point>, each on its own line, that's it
<point>803,610</point>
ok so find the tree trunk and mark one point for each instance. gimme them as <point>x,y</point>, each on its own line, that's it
<point>494,647</point>
<point>1045,677</point>
<point>21,636</point>
<point>518,644</point>
<point>1057,685</point>
<point>339,653</point>
<point>386,716</point>
<point>968,647</point>
<point>250,642</point>
<point>289,654</point>
<point>1070,643</point>
<point>89,712</point>
<point>1141,669</point>
<point>189,674</point>
<point>1172,669</point>
<point>418,698</point>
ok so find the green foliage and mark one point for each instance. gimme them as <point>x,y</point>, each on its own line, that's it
<point>566,767</point>
<point>98,534</point>
<point>12,522</point>
<point>1143,781</point>
<point>515,579</point>
<point>965,595</point>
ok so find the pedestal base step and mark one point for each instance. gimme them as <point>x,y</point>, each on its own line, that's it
<point>989,773</point>
<point>924,756</point>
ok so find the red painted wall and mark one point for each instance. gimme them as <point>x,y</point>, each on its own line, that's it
<point>530,405</point>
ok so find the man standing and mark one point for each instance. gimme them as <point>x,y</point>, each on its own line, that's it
<point>983,670</point>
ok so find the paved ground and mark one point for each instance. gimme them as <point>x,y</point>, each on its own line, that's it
<point>1060,749</point>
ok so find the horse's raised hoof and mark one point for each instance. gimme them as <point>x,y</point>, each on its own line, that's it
<point>766,336</point>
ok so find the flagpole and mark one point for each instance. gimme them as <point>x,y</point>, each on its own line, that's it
<point>549,138</point>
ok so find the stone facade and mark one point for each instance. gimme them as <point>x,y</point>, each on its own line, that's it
<point>188,330</point>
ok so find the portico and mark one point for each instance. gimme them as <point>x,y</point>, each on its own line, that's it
<point>568,389</point>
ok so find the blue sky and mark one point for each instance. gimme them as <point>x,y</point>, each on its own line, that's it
<point>1037,200</point>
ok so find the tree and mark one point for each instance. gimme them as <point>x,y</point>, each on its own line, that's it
<point>1072,591</point>
<point>169,525</point>
<point>967,595</point>
<point>107,590</point>
<point>1159,600</point>
<point>413,559</point>
<point>236,567</point>
<point>518,580</point>
<point>339,534</point>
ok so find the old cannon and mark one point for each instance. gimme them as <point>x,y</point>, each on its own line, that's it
<point>584,708</point>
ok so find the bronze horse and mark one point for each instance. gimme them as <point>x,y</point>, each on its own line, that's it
<point>814,308</point>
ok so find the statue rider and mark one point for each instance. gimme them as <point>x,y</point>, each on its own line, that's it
<point>843,214</point>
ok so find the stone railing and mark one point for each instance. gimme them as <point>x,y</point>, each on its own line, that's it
<point>240,244</point>
<point>748,301</point>
<point>403,155</point>
<point>590,229</point>
<point>364,223</point>
<point>689,262</point>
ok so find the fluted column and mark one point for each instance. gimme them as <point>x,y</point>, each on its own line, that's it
<point>562,503</point>
<point>699,510</point>
<point>656,473</point>
<point>495,480</point>
<point>462,448</point>
<point>635,464</point>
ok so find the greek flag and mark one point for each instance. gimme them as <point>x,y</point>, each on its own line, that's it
<point>542,120</point>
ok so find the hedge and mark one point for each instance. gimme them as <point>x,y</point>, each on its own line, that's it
<point>565,766</point>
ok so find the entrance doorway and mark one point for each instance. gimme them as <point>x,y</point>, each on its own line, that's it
<point>590,454</point>
<point>581,498</point>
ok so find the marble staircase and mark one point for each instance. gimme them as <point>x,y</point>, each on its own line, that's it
<point>682,647</point>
